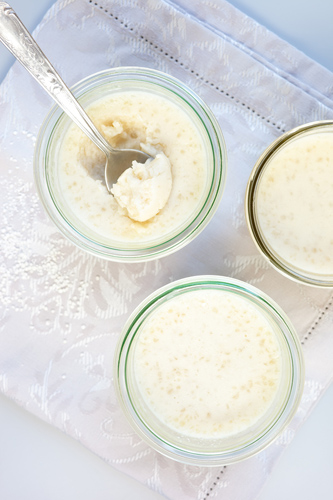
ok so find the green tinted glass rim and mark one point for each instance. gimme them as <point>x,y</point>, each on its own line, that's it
<point>214,193</point>
<point>229,454</point>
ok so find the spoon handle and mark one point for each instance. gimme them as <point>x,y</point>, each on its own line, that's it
<point>17,39</point>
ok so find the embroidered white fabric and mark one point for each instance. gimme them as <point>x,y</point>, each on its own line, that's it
<point>62,310</point>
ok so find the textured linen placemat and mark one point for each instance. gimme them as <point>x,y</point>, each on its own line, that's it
<point>62,310</point>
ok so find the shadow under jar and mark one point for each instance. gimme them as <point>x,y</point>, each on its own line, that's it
<point>208,370</point>
<point>289,204</point>
<point>137,108</point>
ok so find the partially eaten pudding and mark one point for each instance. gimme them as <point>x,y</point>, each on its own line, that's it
<point>155,208</point>
<point>149,199</point>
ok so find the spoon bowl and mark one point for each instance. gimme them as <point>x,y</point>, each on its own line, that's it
<point>118,161</point>
<point>15,36</point>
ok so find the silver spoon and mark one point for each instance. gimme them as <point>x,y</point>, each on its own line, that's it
<point>18,40</point>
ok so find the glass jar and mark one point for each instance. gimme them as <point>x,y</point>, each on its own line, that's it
<point>46,165</point>
<point>288,204</point>
<point>151,424</point>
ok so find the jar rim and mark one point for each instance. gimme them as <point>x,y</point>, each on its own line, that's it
<point>182,234</point>
<point>285,268</point>
<point>232,453</point>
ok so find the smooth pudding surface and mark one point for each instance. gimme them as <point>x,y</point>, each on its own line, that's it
<point>139,120</point>
<point>295,203</point>
<point>207,363</point>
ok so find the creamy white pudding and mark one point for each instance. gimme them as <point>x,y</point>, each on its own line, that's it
<point>139,120</point>
<point>207,363</point>
<point>294,203</point>
<point>143,190</point>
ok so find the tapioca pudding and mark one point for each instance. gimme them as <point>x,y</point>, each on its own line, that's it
<point>294,204</point>
<point>208,363</point>
<point>150,202</point>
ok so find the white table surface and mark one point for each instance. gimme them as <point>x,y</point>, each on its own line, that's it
<point>37,462</point>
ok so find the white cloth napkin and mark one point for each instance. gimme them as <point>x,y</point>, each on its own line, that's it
<point>62,310</point>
